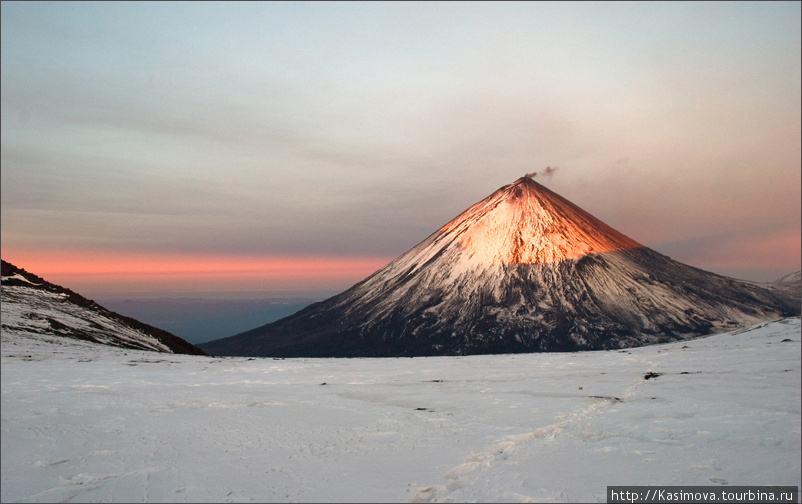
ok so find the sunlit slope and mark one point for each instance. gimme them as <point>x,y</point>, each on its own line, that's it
<point>526,223</point>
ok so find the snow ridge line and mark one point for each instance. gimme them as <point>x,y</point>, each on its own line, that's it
<point>501,450</point>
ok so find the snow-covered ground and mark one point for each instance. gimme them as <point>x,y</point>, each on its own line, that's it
<point>84,422</point>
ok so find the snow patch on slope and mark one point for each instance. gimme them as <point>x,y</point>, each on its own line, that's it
<point>17,276</point>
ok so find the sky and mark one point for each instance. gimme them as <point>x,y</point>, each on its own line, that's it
<point>298,147</point>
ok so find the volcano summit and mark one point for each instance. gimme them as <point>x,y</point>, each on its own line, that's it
<point>523,270</point>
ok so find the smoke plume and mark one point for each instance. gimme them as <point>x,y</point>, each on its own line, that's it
<point>548,172</point>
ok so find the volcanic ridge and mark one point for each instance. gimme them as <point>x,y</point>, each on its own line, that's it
<point>523,270</point>
<point>35,308</point>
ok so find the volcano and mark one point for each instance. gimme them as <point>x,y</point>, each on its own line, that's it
<point>523,270</point>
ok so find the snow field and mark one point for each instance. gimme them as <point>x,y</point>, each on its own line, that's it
<point>84,422</point>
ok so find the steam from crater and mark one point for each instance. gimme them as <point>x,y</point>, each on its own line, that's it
<point>548,172</point>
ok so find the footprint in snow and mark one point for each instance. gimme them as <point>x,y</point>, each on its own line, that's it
<point>43,463</point>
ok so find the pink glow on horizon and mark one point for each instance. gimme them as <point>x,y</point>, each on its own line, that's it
<point>737,254</point>
<point>121,271</point>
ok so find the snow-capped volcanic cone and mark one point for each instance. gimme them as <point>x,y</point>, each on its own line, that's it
<point>523,270</point>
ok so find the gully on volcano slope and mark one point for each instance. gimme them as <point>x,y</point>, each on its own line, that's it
<point>523,270</point>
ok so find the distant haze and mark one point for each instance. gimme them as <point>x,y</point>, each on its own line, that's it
<point>299,147</point>
<point>199,320</point>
